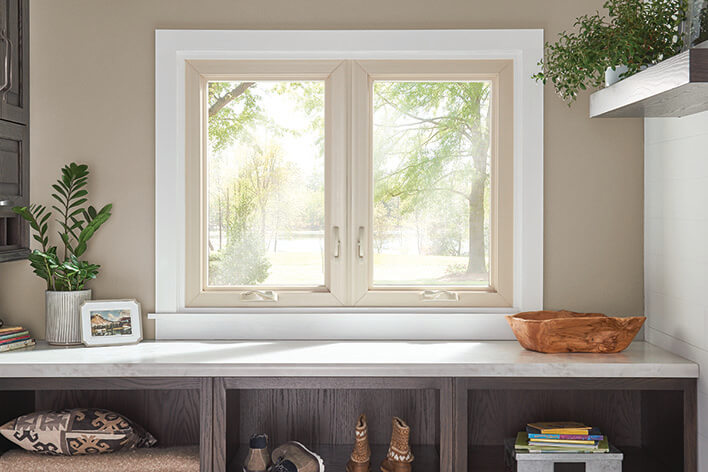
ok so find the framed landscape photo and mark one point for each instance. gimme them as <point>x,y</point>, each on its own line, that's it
<point>110,322</point>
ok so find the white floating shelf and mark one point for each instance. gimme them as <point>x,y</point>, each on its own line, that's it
<point>675,87</point>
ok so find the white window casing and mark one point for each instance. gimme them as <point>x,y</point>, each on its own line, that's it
<point>177,51</point>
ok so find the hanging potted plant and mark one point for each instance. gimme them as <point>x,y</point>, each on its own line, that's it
<point>604,49</point>
<point>66,275</point>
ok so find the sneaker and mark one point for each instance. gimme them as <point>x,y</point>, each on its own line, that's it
<point>399,457</point>
<point>294,457</point>
<point>258,458</point>
<point>360,460</point>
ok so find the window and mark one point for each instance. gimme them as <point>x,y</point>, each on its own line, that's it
<point>349,183</point>
<point>376,198</point>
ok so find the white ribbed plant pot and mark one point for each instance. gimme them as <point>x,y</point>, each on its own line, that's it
<point>612,76</point>
<point>63,311</point>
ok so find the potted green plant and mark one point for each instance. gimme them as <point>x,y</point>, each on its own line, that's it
<point>63,270</point>
<point>634,34</point>
<point>702,26</point>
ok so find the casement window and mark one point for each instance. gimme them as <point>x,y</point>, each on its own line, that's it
<point>344,180</point>
<point>349,183</point>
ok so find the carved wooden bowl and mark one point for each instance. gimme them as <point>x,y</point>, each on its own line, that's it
<point>567,331</point>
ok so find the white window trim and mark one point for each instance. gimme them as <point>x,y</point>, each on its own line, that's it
<point>174,47</point>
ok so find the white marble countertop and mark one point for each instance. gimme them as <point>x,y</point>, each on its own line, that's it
<point>348,358</point>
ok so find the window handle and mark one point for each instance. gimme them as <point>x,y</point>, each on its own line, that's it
<point>360,243</point>
<point>337,243</point>
<point>259,296</point>
<point>439,296</point>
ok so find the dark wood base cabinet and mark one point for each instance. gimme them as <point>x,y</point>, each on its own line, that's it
<point>457,424</point>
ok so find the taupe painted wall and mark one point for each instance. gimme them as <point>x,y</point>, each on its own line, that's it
<point>92,92</point>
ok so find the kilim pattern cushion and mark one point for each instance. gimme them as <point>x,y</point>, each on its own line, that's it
<point>76,432</point>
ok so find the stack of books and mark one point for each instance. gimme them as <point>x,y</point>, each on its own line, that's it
<point>557,437</point>
<point>15,338</point>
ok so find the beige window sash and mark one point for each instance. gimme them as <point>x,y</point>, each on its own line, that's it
<point>198,74</point>
<point>499,293</point>
<point>348,182</point>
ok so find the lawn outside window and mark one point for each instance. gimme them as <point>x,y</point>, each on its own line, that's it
<point>400,176</point>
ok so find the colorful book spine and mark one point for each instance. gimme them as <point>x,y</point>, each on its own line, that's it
<point>563,445</point>
<point>13,340</point>
<point>563,441</point>
<point>15,329</point>
<point>17,345</point>
<point>13,335</point>
<point>586,437</point>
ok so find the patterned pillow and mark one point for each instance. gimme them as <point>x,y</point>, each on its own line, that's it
<point>76,432</point>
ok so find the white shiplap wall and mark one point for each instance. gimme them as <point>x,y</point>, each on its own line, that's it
<point>676,245</point>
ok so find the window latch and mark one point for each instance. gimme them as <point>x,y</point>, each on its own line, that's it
<point>439,296</point>
<point>259,296</point>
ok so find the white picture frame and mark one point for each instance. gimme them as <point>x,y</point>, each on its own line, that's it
<point>111,322</point>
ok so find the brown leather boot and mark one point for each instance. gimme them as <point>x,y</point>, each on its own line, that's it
<point>399,457</point>
<point>360,460</point>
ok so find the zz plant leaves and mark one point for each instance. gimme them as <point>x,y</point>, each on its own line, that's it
<point>77,224</point>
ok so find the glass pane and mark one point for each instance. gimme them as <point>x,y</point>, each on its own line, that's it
<point>432,158</point>
<point>265,167</point>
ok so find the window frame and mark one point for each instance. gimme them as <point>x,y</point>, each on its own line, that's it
<point>500,74</point>
<point>174,319</point>
<point>198,73</point>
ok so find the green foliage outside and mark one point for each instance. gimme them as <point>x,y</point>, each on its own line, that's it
<point>252,209</point>
<point>434,165</point>
<point>78,222</point>
<point>431,172</point>
<point>634,33</point>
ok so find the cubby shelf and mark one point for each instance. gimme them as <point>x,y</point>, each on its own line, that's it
<point>335,457</point>
<point>636,459</point>
<point>644,399</point>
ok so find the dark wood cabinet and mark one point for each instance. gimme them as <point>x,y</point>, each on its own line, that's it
<point>14,27</point>
<point>14,127</point>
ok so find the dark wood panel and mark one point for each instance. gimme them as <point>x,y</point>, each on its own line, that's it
<point>15,97</point>
<point>375,383</point>
<point>491,459</point>
<point>12,405</point>
<point>572,383</point>
<point>104,383</point>
<point>495,415</point>
<point>662,425</point>
<point>205,420</point>
<point>690,426</point>
<point>172,416</point>
<point>329,415</point>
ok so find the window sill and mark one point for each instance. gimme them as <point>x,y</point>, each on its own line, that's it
<point>335,324</point>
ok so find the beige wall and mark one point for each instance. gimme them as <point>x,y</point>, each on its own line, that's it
<point>92,91</point>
